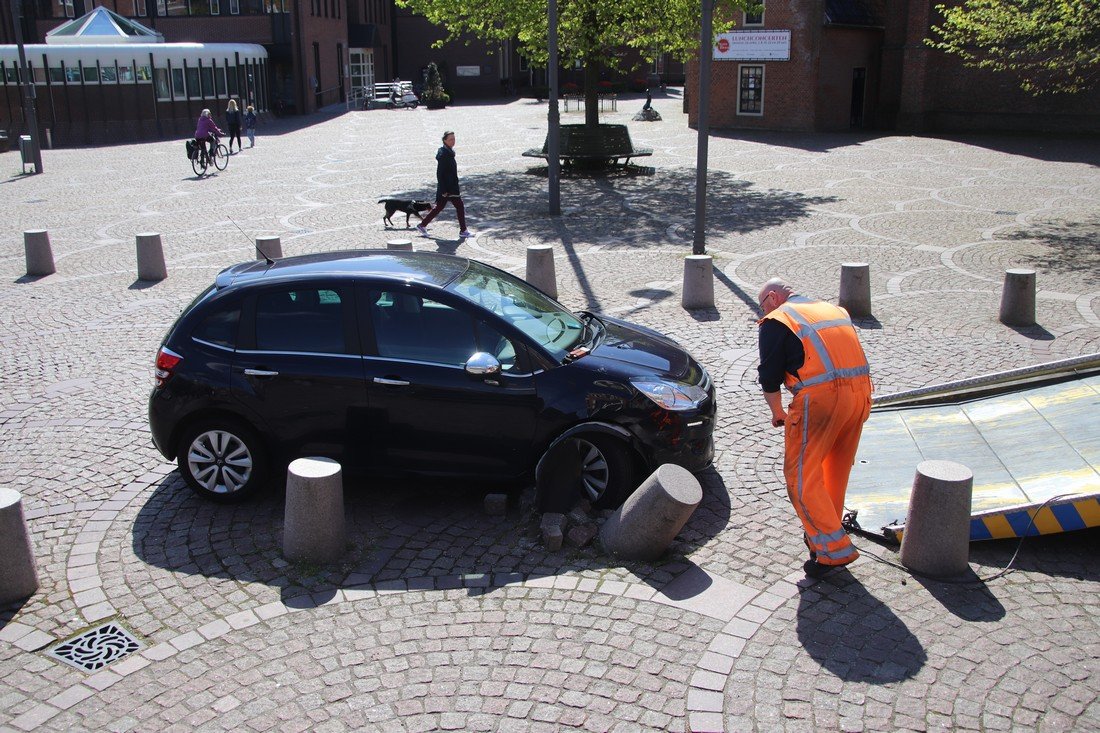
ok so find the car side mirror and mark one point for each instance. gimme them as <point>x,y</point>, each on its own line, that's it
<point>483,365</point>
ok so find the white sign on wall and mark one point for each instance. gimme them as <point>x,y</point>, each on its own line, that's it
<point>753,46</point>
<point>468,70</point>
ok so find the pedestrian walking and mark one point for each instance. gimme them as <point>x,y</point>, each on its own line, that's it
<point>233,122</point>
<point>446,187</point>
<point>250,125</point>
<point>812,348</point>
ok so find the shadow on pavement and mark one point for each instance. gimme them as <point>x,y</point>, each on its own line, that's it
<point>968,598</point>
<point>397,531</point>
<point>854,635</point>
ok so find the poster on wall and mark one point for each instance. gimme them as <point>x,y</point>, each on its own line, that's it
<point>753,46</point>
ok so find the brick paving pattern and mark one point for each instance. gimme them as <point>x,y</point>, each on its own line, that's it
<point>440,616</point>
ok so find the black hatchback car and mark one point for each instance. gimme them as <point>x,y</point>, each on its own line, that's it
<point>413,363</point>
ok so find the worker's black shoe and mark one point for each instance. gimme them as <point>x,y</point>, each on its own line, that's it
<point>814,569</point>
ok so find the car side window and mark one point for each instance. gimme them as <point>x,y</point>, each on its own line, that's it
<point>301,320</point>
<point>493,342</point>
<point>220,327</point>
<point>410,327</point>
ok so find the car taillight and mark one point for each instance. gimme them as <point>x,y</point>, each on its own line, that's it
<point>167,361</point>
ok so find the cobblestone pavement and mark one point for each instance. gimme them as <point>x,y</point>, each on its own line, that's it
<point>441,617</point>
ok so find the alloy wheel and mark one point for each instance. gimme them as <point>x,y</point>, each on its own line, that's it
<point>219,461</point>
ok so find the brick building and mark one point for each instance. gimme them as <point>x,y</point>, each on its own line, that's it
<point>830,65</point>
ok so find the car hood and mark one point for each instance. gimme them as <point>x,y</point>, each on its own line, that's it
<point>648,351</point>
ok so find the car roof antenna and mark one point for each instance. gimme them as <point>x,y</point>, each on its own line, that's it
<point>267,259</point>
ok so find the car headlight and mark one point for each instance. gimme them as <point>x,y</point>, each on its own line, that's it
<point>671,395</point>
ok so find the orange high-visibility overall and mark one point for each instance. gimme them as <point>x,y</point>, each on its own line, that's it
<point>832,399</point>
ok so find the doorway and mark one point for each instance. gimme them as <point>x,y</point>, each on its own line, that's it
<point>859,93</point>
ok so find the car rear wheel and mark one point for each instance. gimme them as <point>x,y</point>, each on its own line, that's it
<point>607,473</point>
<point>222,461</point>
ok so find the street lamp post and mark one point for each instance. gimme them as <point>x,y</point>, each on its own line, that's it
<point>706,46</point>
<point>30,113</point>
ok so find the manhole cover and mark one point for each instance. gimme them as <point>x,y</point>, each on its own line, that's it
<point>96,648</point>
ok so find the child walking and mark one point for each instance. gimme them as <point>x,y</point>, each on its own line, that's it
<point>250,125</point>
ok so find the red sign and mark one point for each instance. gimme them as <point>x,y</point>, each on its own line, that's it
<point>723,45</point>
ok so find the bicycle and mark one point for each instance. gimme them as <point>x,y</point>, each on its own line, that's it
<point>219,158</point>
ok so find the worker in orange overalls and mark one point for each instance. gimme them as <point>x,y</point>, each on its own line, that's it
<point>812,348</point>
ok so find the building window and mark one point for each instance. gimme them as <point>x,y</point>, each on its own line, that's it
<point>215,7</point>
<point>750,93</point>
<point>234,7</point>
<point>69,12</point>
<point>160,82</point>
<point>755,18</point>
<point>139,8</point>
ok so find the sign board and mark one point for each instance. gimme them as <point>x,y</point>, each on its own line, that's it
<point>753,46</point>
<point>468,70</point>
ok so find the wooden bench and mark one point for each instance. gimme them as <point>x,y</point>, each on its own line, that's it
<point>604,144</point>
<point>606,101</point>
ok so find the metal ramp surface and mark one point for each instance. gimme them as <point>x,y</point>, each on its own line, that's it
<point>1031,438</point>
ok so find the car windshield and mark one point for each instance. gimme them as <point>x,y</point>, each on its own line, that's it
<point>555,329</point>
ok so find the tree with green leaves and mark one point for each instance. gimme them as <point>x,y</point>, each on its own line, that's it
<point>589,31</point>
<point>1053,46</point>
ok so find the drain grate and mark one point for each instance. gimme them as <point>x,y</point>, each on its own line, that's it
<point>96,648</point>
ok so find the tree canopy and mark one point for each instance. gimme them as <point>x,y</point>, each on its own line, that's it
<point>1053,46</point>
<point>588,30</point>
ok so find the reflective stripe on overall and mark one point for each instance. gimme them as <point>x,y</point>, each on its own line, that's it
<point>824,421</point>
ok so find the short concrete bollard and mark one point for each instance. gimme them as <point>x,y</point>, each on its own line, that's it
<point>18,576</point>
<point>698,282</point>
<point>150,257</point>
<point>36,244</point>
<point>936,541</point>
<point>650,518</point>
<point>269,247</point>
<point>313,526</point>
<point>401,245</point>
<point>1018,298</point>
<point>855,289</point>
<point>540,268</point>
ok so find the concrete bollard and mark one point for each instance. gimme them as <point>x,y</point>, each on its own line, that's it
<point>698,282</point>
<point>936,541</point>
<point>18,576</point>
<point>650,518</point>
<point>269,247</point>
<point>855,289</point>
<point>36,244</point>
<point>540,268</point>
<point>401,245</point>
<point>1018,298</point>
<point>313,525</point>
<point>150,257</point>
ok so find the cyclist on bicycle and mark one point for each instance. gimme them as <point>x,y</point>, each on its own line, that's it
<point>207,133</point>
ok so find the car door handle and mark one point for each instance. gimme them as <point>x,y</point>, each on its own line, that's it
<point>260,373</point>
<point>391,382</point>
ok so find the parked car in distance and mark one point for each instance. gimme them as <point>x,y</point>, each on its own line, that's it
<point>415,363</point>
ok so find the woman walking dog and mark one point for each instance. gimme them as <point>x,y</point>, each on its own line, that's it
<point>446,187</point>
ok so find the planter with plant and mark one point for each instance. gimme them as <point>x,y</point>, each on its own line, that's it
<point>434,97</point>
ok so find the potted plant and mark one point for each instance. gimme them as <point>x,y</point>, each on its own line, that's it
<point>434,97</point>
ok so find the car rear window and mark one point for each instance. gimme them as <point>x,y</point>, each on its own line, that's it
<point>220,327</point>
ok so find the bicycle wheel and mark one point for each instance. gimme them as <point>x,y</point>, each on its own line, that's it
<point>198,164</point>
<point>221,157</point>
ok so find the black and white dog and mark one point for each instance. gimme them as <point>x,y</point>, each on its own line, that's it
<point>407,206</point>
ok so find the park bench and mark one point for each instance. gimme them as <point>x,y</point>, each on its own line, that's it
<point>605,144</point>
<point>608,102</point>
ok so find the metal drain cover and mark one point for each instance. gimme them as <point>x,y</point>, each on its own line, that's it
<point>94,649</point>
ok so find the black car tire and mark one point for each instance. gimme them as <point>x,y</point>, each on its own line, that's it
<point>222,460</point>
<point>607,471</point>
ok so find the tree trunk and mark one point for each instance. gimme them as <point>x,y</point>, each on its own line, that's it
<point>591,93</point>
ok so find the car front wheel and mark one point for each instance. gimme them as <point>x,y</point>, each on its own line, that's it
<point>222,461</point>
<point>606,471</point>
